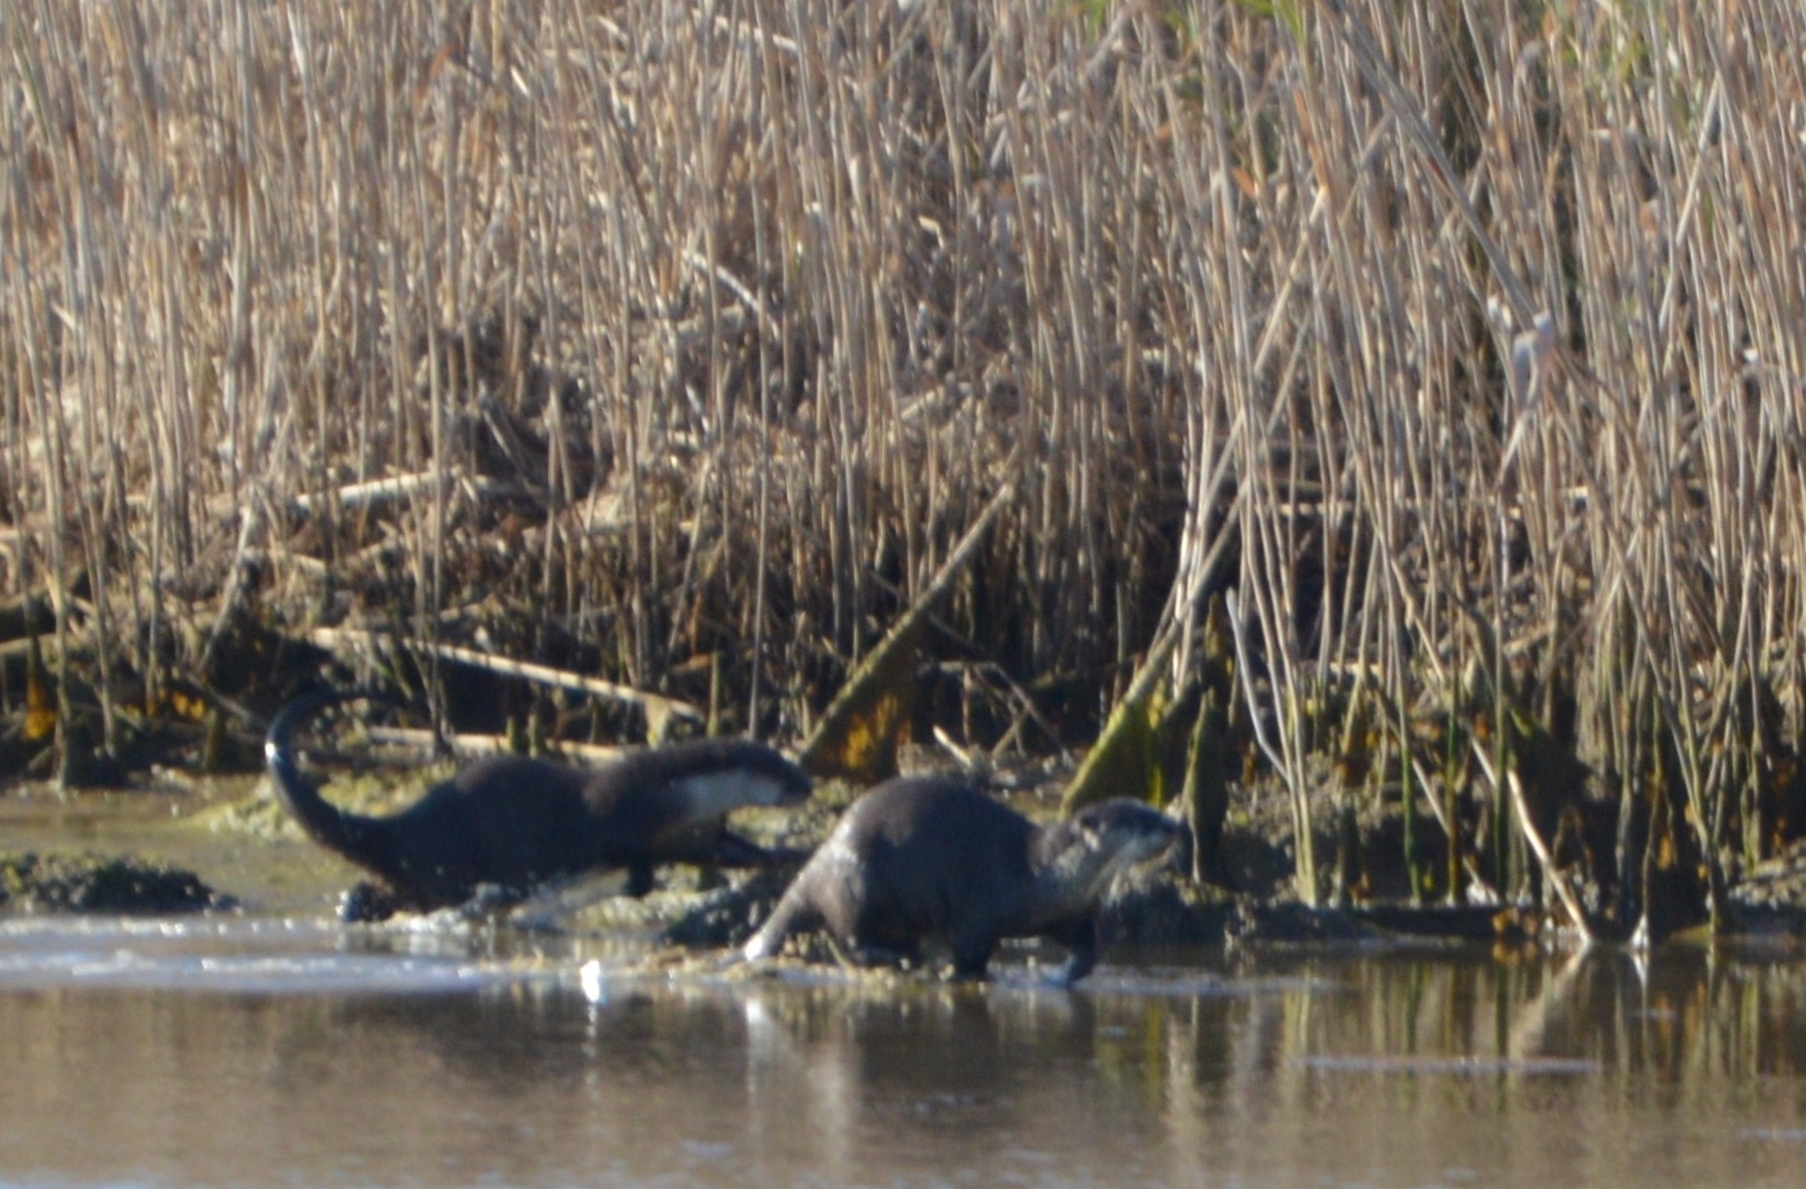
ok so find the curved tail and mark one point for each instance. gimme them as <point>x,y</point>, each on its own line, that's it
<point>795,909</point>
<point>351,835</point>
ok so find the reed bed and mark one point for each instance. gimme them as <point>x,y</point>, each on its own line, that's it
<point>656,340</point>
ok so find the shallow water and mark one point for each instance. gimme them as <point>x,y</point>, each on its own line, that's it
<point>264,1051</point>
<point>275,1047</point>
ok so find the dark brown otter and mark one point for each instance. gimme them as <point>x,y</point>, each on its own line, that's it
<point>929,857</point>
<point>506,824</point>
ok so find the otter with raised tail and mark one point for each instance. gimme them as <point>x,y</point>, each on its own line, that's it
<point>930,857</point>
<point>506,824</point>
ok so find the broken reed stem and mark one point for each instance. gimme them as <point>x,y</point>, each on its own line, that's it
<point>1286,707</point>
<point>1511,788</point>
<point>655,707</point>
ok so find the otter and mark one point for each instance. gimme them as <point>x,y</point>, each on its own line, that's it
<point>506,824</point>
<point>931,857</point>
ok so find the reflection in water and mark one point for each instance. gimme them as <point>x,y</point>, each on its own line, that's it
<point>1391,1070</point>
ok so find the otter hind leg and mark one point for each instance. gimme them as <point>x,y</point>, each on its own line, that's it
<point>972,956</point>
<point>871,955</point>
<point>873,936</point>
<point>851,955</point>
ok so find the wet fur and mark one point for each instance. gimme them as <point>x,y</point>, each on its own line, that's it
<point>929,857</point>
<point>507,824</point>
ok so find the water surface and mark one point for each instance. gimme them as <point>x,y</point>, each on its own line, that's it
<point>274,1047</point>
<point>256,1051</point>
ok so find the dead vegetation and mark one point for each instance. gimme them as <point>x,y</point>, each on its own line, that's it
<point>679,344</point>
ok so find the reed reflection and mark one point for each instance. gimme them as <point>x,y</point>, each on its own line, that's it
<point>1167,1069</point>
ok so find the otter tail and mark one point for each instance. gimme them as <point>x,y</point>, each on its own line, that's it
<point>355,837</point>
<point>796,910</point>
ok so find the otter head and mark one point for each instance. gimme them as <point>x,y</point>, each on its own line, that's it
<point>1088,850</point>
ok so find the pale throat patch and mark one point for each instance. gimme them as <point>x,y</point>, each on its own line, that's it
<point>731,788</point>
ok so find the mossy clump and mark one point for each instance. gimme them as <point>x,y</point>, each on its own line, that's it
<point>33,882</point>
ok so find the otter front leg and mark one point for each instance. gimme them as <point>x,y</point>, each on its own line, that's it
<point>365,901</point>
<point>971,967</point>
<point>491,900</point>
<point>731,850</point>
<point>1079,936</point>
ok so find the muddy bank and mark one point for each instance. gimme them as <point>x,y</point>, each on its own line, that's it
<point>238,832</point>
